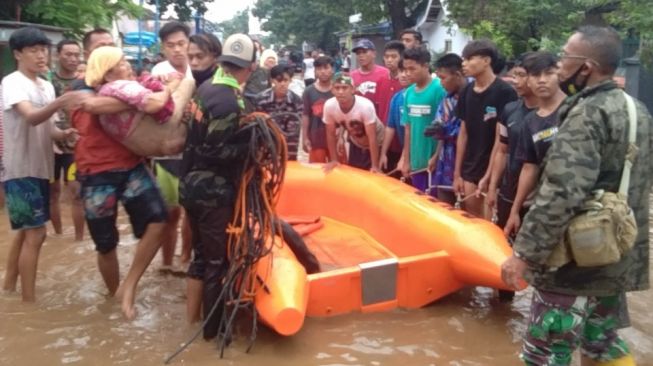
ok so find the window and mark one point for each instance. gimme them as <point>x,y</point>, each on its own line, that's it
<point>447,45</point>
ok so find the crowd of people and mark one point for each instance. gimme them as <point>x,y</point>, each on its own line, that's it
<point>525,145</point>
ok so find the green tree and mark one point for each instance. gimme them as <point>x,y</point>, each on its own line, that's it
<point>75,15</point>
<point>184,8</point>
<point>316,21</point>
<point>238,24</point>
<point>521,25</point>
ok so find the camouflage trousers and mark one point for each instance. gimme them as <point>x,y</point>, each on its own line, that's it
<point>559,324</point>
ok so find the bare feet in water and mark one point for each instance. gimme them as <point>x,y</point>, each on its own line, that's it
<point>126,297</point>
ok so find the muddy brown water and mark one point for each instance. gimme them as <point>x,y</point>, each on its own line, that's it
<point>73,322</point>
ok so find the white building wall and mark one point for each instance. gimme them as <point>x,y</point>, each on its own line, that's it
<point>439,35</point>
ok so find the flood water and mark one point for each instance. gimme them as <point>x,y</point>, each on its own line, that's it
<point>74,323</point>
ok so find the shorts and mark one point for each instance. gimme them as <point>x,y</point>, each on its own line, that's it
<point>71,175</point>
<point>28,202</point>
<point>359,157</point>
<point>139,195</point>
<point>503,211</point>
<point>168,184</point>
<point>559,324</point>
<point>318,156</point>
<point>62,163</point>
<point>421,182</point>
<point>470,179</point>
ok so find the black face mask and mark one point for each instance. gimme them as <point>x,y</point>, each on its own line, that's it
<point>571,86</point>
<point>201,76</point>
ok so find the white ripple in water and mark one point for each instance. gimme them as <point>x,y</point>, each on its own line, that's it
<point>457,324</point>
<point>366,346</point>
<point>60,342</point>
<point>414,349</point>
<point>71,357</point>
<point>82,342</point>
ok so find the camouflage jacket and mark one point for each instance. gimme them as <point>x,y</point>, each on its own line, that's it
<point>587,154</point>
<point>215,149</point>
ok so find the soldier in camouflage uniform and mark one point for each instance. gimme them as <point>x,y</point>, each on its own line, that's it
<point>574,306</point>
<point>210,172</point>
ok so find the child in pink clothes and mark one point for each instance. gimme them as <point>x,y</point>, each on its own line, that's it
<point>154,126</point>
<point>135,94</point>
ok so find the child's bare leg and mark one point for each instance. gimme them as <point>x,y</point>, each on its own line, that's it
<point>473,205</point>
<point>55,207</point>
<point>169,238</point>
<point>152,138</point>
<point>109,269</point>
<point>194,290</point>
<point>28,261</point>
<point>11,273</point>
<point>145,252</point>
<point>76,209</point>
<point>186,240</point>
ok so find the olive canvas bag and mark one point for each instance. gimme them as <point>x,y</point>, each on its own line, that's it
<point>605,228</point>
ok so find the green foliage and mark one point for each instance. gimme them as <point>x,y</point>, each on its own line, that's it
<point>238,24</point>
<point>298,20</point>
<point>78,16</point>
<point>517,26</point>
<point>185,9</point>
<point>523,25</point>
<point>317,21</point>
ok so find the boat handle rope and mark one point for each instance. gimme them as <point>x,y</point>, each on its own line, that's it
<point>459,198</point>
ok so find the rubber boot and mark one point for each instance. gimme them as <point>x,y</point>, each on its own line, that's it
<point>627,360</point>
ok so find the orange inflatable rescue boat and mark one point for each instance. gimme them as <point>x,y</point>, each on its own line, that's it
<point>380,243</point>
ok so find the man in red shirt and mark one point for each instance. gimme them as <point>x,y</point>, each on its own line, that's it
<point>109,173</point>
<point>386,89</point>
<point>368,75</point>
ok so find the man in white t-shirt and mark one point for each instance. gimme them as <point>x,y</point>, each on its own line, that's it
<point>175,37</point>
<point>358,117</point>
<point>309,68</point>
<point>29,107</point>
<point>174,46</point>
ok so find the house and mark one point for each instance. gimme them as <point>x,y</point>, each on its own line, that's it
<point>436,31</point>
<point>440,36</point>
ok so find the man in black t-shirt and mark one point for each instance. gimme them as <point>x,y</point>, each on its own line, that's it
<point>539,129</point>
<point>505,166</point>
<point>479,106</point>
<point>315,95</point>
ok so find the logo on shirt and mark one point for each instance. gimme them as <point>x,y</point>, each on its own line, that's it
<point>490,113</point>
<point>417,110</point>
<point>367,87</point>
<point>545,135</point>
<point>318,108</point>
